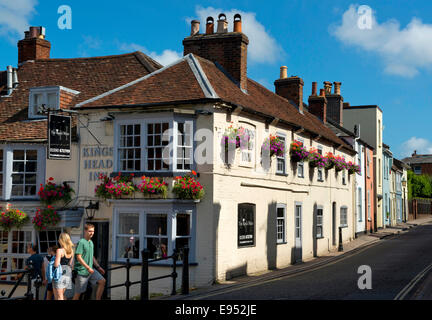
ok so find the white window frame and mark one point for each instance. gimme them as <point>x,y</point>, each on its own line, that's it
<point>7,169</point>
<point>320,175</point>
<point>44,91</point>
<point>9,256</point>
<point>283,157</point>
<point>251,147</point>
<point>344,216</point>
<point>143,121</point>
<point>359,205</point>
<point>281,223</point>
<point>368,163</point>
<point>417,169</point>
<point>321,224</point>
<point>143,211</point>
<point>360,153</point>
<point>300,164</point>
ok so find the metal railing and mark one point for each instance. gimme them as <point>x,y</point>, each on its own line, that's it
<point>29,294</point>
<point>145,273</point>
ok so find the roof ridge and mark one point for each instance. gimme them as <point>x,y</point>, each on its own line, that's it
<point>89,58</point>
<point>107,93</point>
<point>201,77</point>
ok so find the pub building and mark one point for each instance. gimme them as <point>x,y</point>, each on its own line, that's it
<point>256,213</point>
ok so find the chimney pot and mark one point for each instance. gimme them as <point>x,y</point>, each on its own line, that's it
<point>9,82</point>
<point>14,78</point>
<point>237,23</point>
<point>314,88</point>
<point>34,32</point>
<point>322,92</point>
<point>222,26</point>
<point>210,25</point>
<point>327,87</point>
<point>195,25</point>
<point>337,87</point>
<point>283,72</point>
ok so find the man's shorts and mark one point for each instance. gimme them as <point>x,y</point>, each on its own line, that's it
<point>81,281</point>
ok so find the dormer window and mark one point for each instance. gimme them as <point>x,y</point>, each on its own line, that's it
<point>43,98</point>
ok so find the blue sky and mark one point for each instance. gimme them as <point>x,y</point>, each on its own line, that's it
<point>389,64</point>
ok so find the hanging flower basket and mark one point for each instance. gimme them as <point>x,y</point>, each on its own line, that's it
<point>188,187</point>
<point>339,163</point>
<point>275,145</point>
<point>298,152</point>
<point>115,188</point>
<point>329,159</point>
<point>316,159</point>
<point>51,192</point>
<point>353,168</point>
<point>13,218</point>
<point>153,187</point>
<point>44,218</point>
<point>234,138</point>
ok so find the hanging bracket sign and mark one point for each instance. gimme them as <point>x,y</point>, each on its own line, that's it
<point>59,136</point>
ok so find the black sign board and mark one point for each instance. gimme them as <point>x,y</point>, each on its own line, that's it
<point>246,225</point>
<point>59,136</point>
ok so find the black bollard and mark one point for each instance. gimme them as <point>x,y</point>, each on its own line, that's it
<point>340,240</point>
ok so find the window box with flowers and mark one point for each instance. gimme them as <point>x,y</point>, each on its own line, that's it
<point>153,188</point>
<point>51,192</point>
<point>353,168</point>
<point>13,218</point>
<point>275,145</point>
<point>316,159</point>
<point>339,163</point>
<point>45,217</point>
<point>298,152</point>
<point>188,187</point>
<point>330,163</point>
<point>118,187</point>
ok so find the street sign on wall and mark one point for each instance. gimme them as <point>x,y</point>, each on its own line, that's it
<point>59,136</point>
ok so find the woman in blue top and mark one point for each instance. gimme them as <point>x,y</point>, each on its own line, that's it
<point>64,257</point>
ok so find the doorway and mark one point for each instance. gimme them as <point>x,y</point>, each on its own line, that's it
<point>298,257</point>
<point>334,224</point>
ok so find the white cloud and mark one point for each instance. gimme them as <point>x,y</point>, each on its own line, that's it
<point>14,17</point>
<point>262,48</point>
<point>404,51</point>
<point>165,58</point>
<point>421,145</point>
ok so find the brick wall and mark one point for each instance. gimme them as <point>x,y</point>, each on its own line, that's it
<point>33,49</point>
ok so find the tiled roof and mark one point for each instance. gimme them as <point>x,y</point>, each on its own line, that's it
<point>420,158</point>
<point>183,81</point>
<point>89,76</point>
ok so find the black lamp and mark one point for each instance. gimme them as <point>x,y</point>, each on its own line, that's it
<point>91,209</point>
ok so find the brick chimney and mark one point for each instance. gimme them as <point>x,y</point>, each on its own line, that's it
<point>33,46</point>
<point>290,88</point>
<point>229,49</point>
<point>335,103</point>
<point>318,104</point>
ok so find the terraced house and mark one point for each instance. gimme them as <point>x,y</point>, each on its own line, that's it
<point>136,121</point>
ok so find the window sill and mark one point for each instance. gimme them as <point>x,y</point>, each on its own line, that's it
<point>284,242</point>
<point>320,180</point>
<point>281,174</point>
<point>153,173</point>
<point>320,237</point>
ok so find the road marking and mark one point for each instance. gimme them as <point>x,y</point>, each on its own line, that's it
<point>228,290</point>
<point>401,295</point>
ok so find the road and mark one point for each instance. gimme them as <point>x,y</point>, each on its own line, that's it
<point>396,264</point>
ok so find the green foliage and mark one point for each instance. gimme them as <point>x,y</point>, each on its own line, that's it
<point>419,186</point>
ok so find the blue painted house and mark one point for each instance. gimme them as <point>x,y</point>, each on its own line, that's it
<point>387,165</point>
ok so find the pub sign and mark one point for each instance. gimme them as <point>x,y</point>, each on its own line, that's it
<point>246,225</point>
<point>59,136</point>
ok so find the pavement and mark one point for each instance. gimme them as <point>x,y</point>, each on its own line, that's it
<point>360,243</point>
